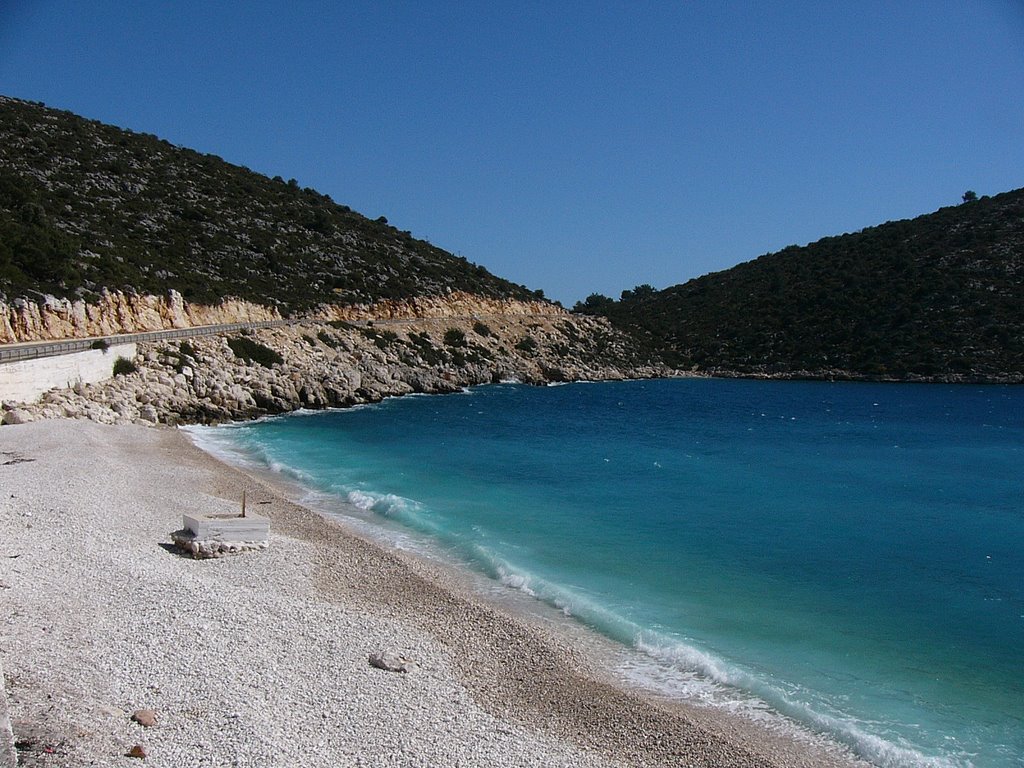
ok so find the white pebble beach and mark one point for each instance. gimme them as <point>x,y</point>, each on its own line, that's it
<point>261,659</point>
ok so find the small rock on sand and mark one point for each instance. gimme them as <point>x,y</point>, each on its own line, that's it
<point>390,661</point>
<point>144,717</point>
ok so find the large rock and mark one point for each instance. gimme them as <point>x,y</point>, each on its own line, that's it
<point>17,416</point>
<point>148,413</point>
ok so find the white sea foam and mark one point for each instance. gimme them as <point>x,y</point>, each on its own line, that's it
<point>202,436</point>
<point>573,603</point>
<point>516,581</point>
<point>388,398</point>
<point>688,673</point>
<point>387,504</point>
<point>684,671</point>
<point>252,457</point>
<point>391,507</point>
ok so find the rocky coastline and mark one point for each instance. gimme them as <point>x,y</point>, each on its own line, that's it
<point>362,355</point>
<point>341,356</point>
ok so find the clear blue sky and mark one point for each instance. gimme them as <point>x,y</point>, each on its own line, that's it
<point>576,147</point>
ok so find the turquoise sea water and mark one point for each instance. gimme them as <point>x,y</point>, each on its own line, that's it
<point>848,555</point>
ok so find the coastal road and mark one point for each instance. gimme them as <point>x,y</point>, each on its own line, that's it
<point>34,349</point>
<point>30,350</point>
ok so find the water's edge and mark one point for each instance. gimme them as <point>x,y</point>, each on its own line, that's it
<point>639,665</point>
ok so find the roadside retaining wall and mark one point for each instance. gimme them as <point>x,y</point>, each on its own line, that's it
<point>25,381</point>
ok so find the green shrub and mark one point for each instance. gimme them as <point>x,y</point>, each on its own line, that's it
<point>100,344</point>
<point>560,349</point>
<point>123,366</point>
<point>478,354</point>
<point>253,352</point>
<point>385,339</point>
<point>328,339</point>
<point>424,345</point>
<point>481,329</point>
<point>382,339</point>
<point>527,344</point>
<point>453,337</point>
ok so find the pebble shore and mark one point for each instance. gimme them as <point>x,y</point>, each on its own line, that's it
<point>262,659</point>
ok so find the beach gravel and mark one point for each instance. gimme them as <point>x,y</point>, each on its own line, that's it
<point>261,659</point>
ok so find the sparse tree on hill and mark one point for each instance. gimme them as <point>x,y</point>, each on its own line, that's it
<point>644,291</point>
<point>594,304</point>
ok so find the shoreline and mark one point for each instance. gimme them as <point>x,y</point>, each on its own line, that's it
<point>505,690</point>
<point>610,660</point>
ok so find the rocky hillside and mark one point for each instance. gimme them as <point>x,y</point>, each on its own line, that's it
<point>340,363</point>
<point>104,231</point>
<point>87,208</point>
<point>939,297</point>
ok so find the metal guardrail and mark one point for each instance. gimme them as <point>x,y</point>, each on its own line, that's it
<point>13,353</point>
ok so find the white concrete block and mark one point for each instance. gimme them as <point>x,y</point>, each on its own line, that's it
<point>227,527</point>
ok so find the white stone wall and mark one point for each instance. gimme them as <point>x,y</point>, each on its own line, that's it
<point>24,381</point>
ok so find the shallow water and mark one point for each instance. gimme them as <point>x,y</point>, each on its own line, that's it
<point>848,555</point>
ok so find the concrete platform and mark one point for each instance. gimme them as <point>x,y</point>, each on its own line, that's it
<point>228,527</point>
<point>219,534</point>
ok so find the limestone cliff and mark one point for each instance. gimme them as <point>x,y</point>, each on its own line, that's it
<point>116,313</point>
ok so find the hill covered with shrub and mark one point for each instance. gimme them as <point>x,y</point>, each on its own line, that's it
<point>86,206</point>
<point>940,296</point>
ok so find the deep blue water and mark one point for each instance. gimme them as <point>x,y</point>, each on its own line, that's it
<point>849,555</point>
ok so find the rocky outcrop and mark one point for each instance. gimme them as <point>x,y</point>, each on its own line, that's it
<point>115,313</point>
<point>319,365</point>
<point>455,304</point>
